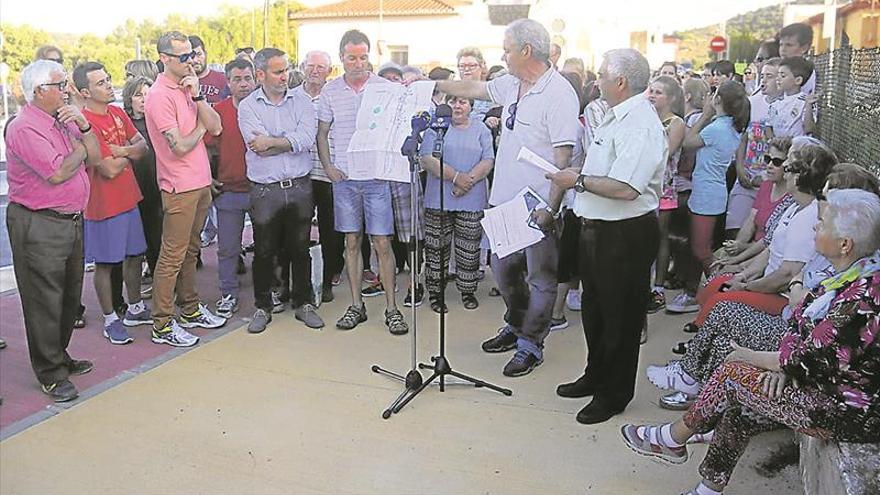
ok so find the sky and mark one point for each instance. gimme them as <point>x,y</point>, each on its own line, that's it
<point>101,17</point>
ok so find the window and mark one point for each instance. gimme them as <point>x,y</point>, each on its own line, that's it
<point>399,54</point>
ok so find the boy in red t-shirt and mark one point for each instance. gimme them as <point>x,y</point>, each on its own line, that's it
<point>113,232</point>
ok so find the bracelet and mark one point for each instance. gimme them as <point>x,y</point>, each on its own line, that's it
<point>454,177</point>
<point>87,129</point>
<point>793,283</point>
<point>198,98</point>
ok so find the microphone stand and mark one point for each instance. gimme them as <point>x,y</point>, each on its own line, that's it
<point>440,367</point>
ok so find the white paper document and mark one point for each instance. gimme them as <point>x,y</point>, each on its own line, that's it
<point>383,124</point>
<point>507,225</point>
<point>528,156</point>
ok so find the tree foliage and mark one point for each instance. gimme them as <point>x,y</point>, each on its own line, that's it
<point>745,33</point>
<point>228,29</point>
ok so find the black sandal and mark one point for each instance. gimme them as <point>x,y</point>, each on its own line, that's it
<point>469,301</point>
<point>436,306</point>
<point>690,328</point>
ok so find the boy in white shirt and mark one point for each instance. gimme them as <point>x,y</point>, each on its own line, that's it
<point>795,114</point>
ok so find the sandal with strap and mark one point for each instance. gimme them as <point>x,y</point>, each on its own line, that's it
<point>436,306</point>
<point>650,444</point>
<point>469,301</point>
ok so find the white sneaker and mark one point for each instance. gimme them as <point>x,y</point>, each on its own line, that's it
<point>90,266</point>
<point>683,303</point>
<point>673,377</point>
<point>573,300</point>
<point>277,305</point>
<point>202,318</point>
<point>226,306</point>
<point>176,337</point>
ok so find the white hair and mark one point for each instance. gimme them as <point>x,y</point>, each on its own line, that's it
<point>855,214</point>
<point>36,74</point>
<point>631,65</point>
<point>530,32</point>
<point>322,53</point>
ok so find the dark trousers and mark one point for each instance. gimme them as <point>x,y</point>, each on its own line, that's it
<point>282,220</point>
<point>332,242</point>
<point>151,216</point>
<point>615,268</point>
<point>47,254</point>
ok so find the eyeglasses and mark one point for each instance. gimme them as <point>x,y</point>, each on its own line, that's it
<point>183,57</point>
<point>248,50</point>
<point>61,84</point>
<point>59,60</point>
<point>777,162</point>
<point>512,118</point>
<point>747,73</point>
<point>468,67</point>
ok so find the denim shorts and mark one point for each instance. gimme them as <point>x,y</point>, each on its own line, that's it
<point>113,239</point>
<point>359,203</point>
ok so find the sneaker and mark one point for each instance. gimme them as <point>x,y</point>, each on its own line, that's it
<point>79,366</point>
<point>503,342</point>
<point>227,306</point>
<point>90,266</point>
<point>353,317</point>
<point>573,300</point>
<point>370,277</point>
<point>644,440</point>
<point>676,401</point>
<point>420,296</point>
<point>657,301</point>
<point>174,335</point>
<point>395,323</point>
<point>683,303</point>
<point>372,290</point>
<point>60,391</point>
<point>259,322</point>
<point>558,323</point>
<point>336,280</point>
<point>146,292</point>
<point>206,242</point>
<point>277,303</point>
<point>308,314</point>
<point>673,377</point>
<point>145,317</point>
<point>117,334</point>
<point>522,363</point>
<point>202,318</point>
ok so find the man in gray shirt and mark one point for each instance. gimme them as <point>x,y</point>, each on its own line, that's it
<point>279,126</point>
<point>540,113</point>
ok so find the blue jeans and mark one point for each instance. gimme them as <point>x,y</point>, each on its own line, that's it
<point>527,282</point>
<point>231,207</point>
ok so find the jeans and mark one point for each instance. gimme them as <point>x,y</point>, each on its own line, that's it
<point>282,220</point>
<point>527,282</point>
<point>231,208</point>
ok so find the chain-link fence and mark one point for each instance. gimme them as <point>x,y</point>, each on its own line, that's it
<point>849,111</point>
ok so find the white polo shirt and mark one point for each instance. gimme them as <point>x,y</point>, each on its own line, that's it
<point>546,118</point>
<point>629,146</point>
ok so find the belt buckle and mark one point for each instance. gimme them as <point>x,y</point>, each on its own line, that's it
<point>285,184</point>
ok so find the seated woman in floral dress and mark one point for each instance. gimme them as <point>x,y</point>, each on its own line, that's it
<point>821,382</point>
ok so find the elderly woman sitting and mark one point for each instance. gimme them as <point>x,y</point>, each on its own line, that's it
<point>822,381</point>
<point>736,323</point>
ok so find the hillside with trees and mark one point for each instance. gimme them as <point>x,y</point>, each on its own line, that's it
<point>744,33</point>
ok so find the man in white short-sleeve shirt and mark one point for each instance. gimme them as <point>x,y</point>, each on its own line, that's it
<point>618,196</point>
<point>540,112</point>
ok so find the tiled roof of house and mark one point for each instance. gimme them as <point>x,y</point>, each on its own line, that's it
<point>370,8</point>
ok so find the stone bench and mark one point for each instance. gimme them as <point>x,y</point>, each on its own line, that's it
<point>832,468</point>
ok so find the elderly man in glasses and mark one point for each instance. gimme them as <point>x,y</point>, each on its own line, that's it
<point>540,112</point>
<point>48,144</point>
<point>176,111</point>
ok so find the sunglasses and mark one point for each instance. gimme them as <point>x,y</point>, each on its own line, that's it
<point>245,50</point>
<point>61,84</point>
<point>777,162</point>
<point>511,120</point>
<point>747,73</point>
<point>183,57</point>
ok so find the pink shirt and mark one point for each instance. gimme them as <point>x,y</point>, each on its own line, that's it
<point>168,106</point>
<point>36,144</point>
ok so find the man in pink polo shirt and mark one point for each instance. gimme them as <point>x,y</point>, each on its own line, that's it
<point>176,111</point>
<point>46,145</point>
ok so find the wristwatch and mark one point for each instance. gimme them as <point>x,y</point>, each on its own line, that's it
<point>554,214</point>
<point>198,98</point>
<point>580,185</point>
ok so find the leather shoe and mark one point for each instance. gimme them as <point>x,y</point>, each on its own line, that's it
<point>577,389</point>
<point>596,412</point>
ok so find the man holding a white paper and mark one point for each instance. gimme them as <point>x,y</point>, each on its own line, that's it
<point>618,195</point>
<point>540,114</point>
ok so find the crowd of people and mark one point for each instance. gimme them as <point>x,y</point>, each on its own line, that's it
<point>709,183</point>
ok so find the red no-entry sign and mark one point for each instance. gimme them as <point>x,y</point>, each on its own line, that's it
<point>718,44</point>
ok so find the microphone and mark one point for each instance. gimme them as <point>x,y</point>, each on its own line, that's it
<point>419,123</point>
<point>440,124</point>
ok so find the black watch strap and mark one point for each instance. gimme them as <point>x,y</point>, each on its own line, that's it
<point>198,98</point>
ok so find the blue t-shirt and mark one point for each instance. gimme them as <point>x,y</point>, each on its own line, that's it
<point>709,194</point>
<point>463,148</point>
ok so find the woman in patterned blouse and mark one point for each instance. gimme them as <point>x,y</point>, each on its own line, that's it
<point>822,382</point>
